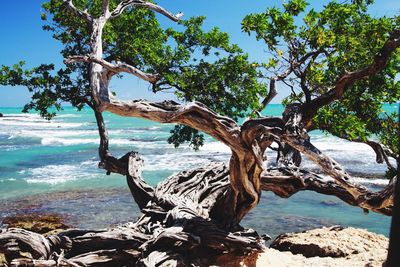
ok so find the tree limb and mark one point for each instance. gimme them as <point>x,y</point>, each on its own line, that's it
<point>105,8</point>
<point>349,78</point>
<point>118,67</point>
<point>83,14</point>
<point>286,181</point>
<point>294,64</point>
<point>195,115</point>
<point>138,3</point>
<point>360,195</point>
<point>382,153</point>
<point>271,94</point>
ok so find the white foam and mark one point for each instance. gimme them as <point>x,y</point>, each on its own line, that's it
<point>68,116</point>
<point>54,133</point>
<point>58,174</point>
<point>182,159</point>
<point>7,180</point>
<point>48,141</point>
<point>215,146</point>
<point>22,115</point>
<point>57,141</point>
<point>173,163</point>
<point>371,181</point>
<point>40,123</point>
<point>154,128</point>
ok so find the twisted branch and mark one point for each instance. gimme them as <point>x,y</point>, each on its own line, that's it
<point>138,3</point>
<point>83,14</point>
<point>118,67</point>
<point>360,196</point>
<point>349,78</point>
<point>286,181</point>
<point>194,114</point>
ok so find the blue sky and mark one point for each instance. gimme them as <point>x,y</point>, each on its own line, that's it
<point>23,38</point>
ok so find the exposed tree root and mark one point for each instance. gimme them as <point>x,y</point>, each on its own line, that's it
<point>180,225</point>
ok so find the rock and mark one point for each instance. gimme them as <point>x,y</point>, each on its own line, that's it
<point>1,115</point>
<point>330,242</point>
<point>39,223</point>
<point>327,246</point>
<point>276,258</point>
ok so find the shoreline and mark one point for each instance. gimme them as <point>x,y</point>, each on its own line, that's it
<point>326,246</point>
<point>103,208</point>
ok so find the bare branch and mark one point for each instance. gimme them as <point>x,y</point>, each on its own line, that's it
<point>361,196</point>
<point>349,78</point>
<point>294,64</point>
<point>271,94</point>
<point>83,14</point>
<point>285,182</point>
<point>105,8</point>
<point>382,152</point>
<point>195,115</point>
<point>138,3</point>
<point>118,67</point>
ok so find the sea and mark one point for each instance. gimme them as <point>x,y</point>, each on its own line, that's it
<point>52,167</point>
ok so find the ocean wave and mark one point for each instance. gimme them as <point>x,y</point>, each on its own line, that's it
<point>13,147</point>
<point>51,141</point>
<point>215,147</point>
<point>58,141</point>
<point>22,115</point>
<point>68,116</point>
<point>179,161</point>
<point>40,124</point>
<point>331,143</point>
<point>58,174</point>
<point>7,180</point>
<point>154,128</point>
<point>371,181</point>
<point>53,133</point>
<point>172,163</point>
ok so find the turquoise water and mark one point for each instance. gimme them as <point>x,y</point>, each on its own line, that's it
<point>52,167</point>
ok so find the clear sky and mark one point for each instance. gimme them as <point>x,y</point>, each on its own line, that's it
<point>23,38</point>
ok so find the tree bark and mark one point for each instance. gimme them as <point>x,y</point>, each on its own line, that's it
<point>181,223</point>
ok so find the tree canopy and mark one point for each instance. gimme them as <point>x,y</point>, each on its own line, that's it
<point>194,64</point>
<point>311,50</point>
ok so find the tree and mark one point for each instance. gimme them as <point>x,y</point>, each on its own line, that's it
<point>329,56</point>
<point>198,212</point>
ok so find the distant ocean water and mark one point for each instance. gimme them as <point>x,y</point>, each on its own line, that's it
<point>51,166</point>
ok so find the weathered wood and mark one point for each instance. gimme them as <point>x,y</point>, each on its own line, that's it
<point>375,201</point>
<point>33,243</point>
<point>182,217</point>
<point>101,258</point>
<point>177,217</point>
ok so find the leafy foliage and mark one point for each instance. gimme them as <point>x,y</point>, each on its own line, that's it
<point>312,49</point>
<point>49,89</point>
<point>196,65</point>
